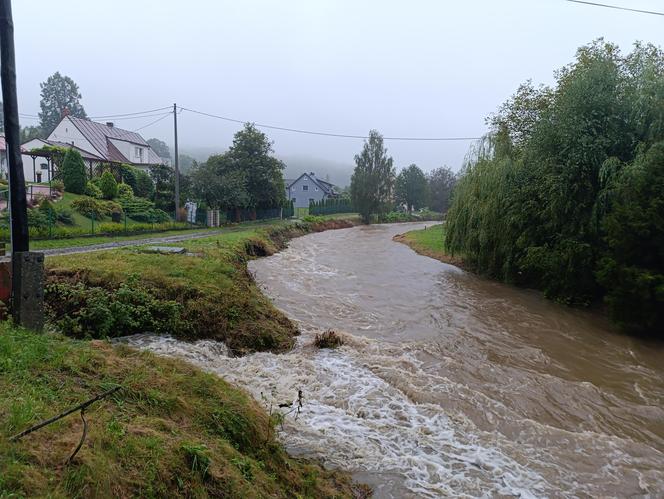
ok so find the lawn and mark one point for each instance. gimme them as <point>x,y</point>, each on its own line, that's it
<point>430,242</point>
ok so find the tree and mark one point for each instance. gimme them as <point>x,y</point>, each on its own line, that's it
<point>441,184</point>
<point>59,93</point>
<point>160,147</point>
<point>30,132</point>
<point>411,187</point>
<point>251,153</point>
<point>186,163</point>
<point>373,178</point>
<point>144,186</point>
<point>108,185</point>
<point>219,184</point>
<point>73,172</point>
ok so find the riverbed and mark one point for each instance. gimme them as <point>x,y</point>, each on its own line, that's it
<point>448,384</point>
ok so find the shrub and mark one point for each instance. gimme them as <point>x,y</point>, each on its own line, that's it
<point>152,215</point>
<point>98,312</point>
<point>328,339</point>
<point>73,172</point>
<point>108,185</point>
<point>58,186</point>
<point>128,175</point>
<point>64,216</point>
<point>37,219</point>
<point>92,190</point>
<point>144,185</point>
<point>90,207</point>
<point>125,191</point>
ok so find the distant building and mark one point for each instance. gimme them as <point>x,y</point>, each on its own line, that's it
<point>307,188</point>
<point>98,144</point>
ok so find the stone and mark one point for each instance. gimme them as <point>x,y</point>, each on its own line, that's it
<point>28,276</point>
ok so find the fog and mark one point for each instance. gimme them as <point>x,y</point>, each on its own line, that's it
<point>415,69</point>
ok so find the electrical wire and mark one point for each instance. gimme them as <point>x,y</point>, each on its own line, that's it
<point>130,114</point>
<point>595,4</point>
<point>328,134</point>
<point>153,122</point>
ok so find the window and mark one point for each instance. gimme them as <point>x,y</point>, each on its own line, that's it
<point>139,153</point>
<point>294,200</point>
<point>316,189</point>
<point>311,200</point>
<point>44,166</point>
<point>305,187</point>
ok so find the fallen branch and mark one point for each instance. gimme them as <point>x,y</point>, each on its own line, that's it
<point>80,407</point>
<point>80,443</point>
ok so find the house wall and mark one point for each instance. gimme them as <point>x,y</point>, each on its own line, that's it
<point>300,196</point>
<point>29,173</point>
<point>128,149</point>
<point>67,132</point>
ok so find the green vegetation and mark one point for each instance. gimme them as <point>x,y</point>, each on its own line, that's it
<point>205,294</point>
<point>73,172</point>
<point>566,194</point>
<point>108,185</point>
<point>411,188</point>
<point>172,430</point>
<point>331,206</point>
<point>58,93</point>
<point>372,183</point>
<point>441,182</point>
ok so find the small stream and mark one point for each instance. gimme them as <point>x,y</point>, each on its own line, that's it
<point>448,384</point>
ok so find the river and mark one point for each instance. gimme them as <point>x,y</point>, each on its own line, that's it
<point>448,384</point>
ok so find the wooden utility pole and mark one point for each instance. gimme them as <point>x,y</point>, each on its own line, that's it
<point>177,164</point>
<point>27,305</point>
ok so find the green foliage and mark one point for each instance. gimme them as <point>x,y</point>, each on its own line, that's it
<point>108,185</point>
<point>565,195</point>
<point>125,191</point>
<point>64,216</point>
<point>98,312</point>
<point>128,175</point>
<point>144,187</point>
<point>372,182</point>
<point>220,183</point>
<point>411,187</point>
<point>330,206</point>
<point>92,190</point>
<point>73,172</point>
<point>441,182</point>
<point>160,148</point>
<point>58,186</point>
<point>37,219</point>
<point>58,93</point>
<point>91,207</point>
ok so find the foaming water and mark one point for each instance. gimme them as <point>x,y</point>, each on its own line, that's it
<point>448,384</point>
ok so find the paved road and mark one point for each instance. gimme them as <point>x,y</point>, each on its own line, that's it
<point>130,242</point>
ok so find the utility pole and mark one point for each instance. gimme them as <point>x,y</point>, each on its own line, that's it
<point>177,164</point>
<point>27,268</point>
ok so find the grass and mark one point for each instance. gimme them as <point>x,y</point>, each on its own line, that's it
<point>216,296</point>
<point>172,430</point>
<point>430,242</point>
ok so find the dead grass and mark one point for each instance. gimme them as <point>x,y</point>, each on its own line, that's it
<point>328,339</point>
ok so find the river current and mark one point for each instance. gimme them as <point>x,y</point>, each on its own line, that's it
<point>448,384</point>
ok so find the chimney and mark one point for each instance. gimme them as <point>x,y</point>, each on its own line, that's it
<point>312,174</point>
<point>65,112</point>
<point>109,124</point>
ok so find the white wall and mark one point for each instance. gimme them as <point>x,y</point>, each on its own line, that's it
<point>27,162</point>
<point>67,132</point>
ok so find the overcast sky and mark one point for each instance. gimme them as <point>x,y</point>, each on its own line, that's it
<point>405,68</point>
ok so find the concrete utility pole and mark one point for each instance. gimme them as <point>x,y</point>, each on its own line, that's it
<point>27,268</point>
<point>177,164</point>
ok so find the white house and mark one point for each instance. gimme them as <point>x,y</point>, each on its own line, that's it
<point>98,143</point>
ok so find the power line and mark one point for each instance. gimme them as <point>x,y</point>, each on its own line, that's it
<point>328,134</point>
<point>153,122</point>
<point>130,114</point>
<point>595,4</point>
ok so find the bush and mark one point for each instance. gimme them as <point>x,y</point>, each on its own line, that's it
<point>136,205</point>
<point>108,185</point>
<point>153,215</point>
<point>73,172</point>
<point>98,312</point>
<point>58,186</point>
<point>37,219</point>
<point>328,339</point>
<point>90,207</point>
<point>128,175</point>
<point>64,216</point>
<point>144,187</point>
<point>125,191</point>
<point>92,190</point>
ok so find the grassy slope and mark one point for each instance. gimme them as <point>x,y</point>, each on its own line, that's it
<point>171,431</point>
<point>429,242</point>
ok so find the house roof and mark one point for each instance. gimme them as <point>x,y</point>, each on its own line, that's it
<point>326,187</point>
<point>98,134</point>
<point>3,143</point>
<point>84,154</point>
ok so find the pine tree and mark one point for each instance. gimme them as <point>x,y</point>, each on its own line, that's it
<point>73,172</point>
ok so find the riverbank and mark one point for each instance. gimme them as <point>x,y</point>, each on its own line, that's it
<point>430,242</point>
<point>172,429</point>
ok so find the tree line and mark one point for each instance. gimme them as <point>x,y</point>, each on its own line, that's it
<point>566,194</point>
<point>375,187</point>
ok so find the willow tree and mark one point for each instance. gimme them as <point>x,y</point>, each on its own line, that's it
<point>372,183</point>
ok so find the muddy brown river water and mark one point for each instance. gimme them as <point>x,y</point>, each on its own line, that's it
<point>449,384</point>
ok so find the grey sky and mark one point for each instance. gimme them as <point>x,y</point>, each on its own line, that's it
<point>406,68</point>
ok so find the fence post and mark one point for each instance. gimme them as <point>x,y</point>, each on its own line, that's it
<point>93,223</point>
<point>50,224</point>
<point>125,222</point>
